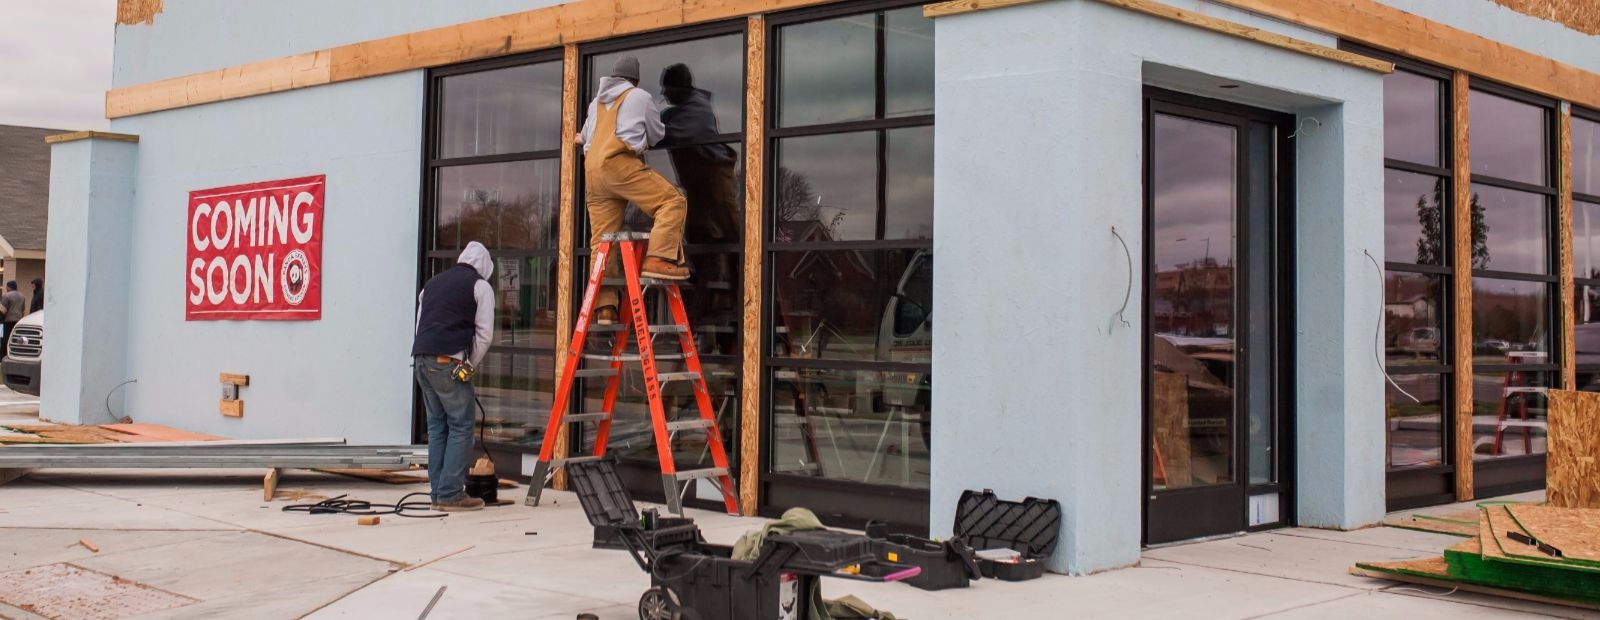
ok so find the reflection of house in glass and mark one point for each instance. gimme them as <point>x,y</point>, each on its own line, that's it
<point>1194,299</point>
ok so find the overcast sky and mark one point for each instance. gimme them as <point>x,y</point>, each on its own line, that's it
<point>57,62</point>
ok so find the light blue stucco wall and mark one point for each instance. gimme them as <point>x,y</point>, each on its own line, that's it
<point>191,36</point>
<point>347,375</point>
<point>91,191</point>
<point>1038,156</point>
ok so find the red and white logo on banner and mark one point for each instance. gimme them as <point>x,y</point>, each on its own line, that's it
<point>255,251</point>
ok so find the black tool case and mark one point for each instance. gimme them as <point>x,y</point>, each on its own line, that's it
<point>945,564</point>
<point>1030,527</point>
<point>693,580</point>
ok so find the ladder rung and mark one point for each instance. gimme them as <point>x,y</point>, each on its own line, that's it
<point>654,329</point>
<point>682,425</point>
<point>586,417</point>
<point>677,376</point>
<point>595,372</point>
<point>625,236</point>
<point>628,357</point>
<point>572,459</point>
<point>643,282</point>
<point>693,474</point>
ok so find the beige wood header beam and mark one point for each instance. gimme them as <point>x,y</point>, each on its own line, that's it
<point>1461,262</point>
<point>538,29</point>
<point>89,135</point>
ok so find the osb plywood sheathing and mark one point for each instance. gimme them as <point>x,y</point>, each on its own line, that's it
<point>1572,469</point>
<point>1580,15</point>
<point>130,12</point>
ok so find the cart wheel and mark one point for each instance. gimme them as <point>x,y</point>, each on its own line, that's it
<point>658,604</point>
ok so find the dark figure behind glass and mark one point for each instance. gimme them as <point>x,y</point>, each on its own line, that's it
<point>706,174</point>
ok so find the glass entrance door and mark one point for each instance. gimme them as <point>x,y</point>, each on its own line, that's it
<point>1214,310</point>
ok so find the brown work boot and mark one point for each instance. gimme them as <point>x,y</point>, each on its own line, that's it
<point>605,315</point>
<point>663,269</point>
<point>465,504</point>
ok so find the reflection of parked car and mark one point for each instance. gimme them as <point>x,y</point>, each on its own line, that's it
<point>1494,345</point>
<point>1586,341</point>
<point>906,333</point>
<point>21,364</point>
<point>1420,340</point>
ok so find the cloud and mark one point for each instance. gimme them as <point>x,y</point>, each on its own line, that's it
<point>58,63</point>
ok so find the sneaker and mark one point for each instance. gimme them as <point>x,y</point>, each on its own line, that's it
<point>465,504</point>
<point>606,315</point>
<point>663,269</point>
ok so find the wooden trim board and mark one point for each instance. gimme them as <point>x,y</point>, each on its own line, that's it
<point>755,94</point>
<point>90,135</point>
<point>235,379</point>
<point>537,29</point>
<point>1207,22</point>
<point>1461,149</point>
<point>566,242</point>
<point>1569,348</point>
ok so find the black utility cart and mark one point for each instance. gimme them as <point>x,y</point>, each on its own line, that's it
<point>691,579</point>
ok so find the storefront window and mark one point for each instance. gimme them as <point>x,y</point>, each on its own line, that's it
<point>1586,247</point>
<point>1514,350</point>
<point>703,155</point>
<point>494,177</point>
<point>850,261</point>
<point>1418,267</point>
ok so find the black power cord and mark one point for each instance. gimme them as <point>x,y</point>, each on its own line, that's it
<point>340,505</point>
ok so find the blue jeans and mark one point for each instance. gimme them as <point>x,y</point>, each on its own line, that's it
<point>449,405</point>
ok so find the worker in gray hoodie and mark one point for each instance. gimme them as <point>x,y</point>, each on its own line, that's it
<point>621,125</point>
<point>455,326</point>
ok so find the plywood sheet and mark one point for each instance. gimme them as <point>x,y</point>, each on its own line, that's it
<point>1572,470</point>
<point>130,12</point>
<point>755,143</point>
<point>1575,531</point>
<point>1461,261</point>
<point>1569,348</point>
<point>1498,545</point>
<point>567,239</point>
<point>1437,525</point>
<point>1580,15</point>
<point>1447,582</point>
<point>1170,427</point>
<point>64,434</point>
<point>145,433</point>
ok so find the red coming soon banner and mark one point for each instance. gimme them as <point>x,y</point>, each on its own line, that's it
<point>255,251</point>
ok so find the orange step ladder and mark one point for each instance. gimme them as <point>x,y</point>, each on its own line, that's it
<point>634,321</point>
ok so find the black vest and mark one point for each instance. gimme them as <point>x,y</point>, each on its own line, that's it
<point>449,309</point>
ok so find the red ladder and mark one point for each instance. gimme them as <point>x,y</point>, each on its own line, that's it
<point>630,248</point>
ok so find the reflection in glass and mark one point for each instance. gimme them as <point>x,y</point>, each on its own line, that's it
<point>1586,156</point>
<point>632,435</point>
<point>1415,427</point>
<point>908,188</point>
<point>907,63</point>
<point>1510,414</point>
<point>1585,239</point>
<point>717,64</point>
<point>525,290</point>
<point>826,71</point>
<point>1412,318</point>
<point>1509,139</point>
<point>859,425</point>
<point>827,188</point>
<point>1413,215</point>
<point>861,305</point>
<point>511,110</point>
<point>1586,336</point>
<point>517,392</point>
<point>1411,118</point>
<point>1508,321</point>
<point>504,206</point>
<point>1192,302</point>
<point>1518,230</point>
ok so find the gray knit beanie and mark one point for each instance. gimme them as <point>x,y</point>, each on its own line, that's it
<point>627,68</point>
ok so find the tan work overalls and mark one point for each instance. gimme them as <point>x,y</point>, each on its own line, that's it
<point>615,175</point>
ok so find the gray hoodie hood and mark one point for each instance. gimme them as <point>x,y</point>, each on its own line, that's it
<point>611,88</point>
<point>477,256</point>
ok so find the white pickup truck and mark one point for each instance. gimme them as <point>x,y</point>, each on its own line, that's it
<point>21,364</point>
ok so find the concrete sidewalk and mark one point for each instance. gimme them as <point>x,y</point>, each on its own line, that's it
<point>204,540</point>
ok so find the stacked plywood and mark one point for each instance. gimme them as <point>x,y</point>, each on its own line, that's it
<point>1572,472</point>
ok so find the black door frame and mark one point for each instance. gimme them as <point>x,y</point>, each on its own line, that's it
<point>1158,100</point>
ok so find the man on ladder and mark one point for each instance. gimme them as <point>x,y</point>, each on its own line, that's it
<point>621,125</point>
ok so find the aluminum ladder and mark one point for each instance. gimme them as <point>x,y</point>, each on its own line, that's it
<point>634,321</point>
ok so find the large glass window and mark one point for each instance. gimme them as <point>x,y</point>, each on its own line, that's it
<point>849,249</point>
<point>698,86</point>
<point>1586,247</point>
<point>494,177</point>
<point>1418,268</point>
<point>1514,348</point>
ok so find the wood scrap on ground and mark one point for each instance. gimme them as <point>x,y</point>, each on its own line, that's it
<point>381,475</point>
<point>60,433</point>
<point>89,545</point>
<point>1450,525</point>
<point>367,520</point>
<point>148,433</point>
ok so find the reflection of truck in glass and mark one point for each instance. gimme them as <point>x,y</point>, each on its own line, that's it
<point>905,334</point>
<point>1420,341</point>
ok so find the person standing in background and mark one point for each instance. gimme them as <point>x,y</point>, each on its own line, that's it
<point>14,308</point>
<point>38,295</point>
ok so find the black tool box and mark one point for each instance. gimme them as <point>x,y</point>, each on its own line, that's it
<point>1031,527</point>
<point>693,580</point>
<point>945,564</point>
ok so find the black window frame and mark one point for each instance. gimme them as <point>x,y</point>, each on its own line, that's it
<point>845,502</point>
<point>431,165</point>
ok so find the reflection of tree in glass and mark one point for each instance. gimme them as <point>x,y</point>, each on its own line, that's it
<point>499,224</point>
<point>1480,235</point>
<point>1430,242</point>
<point>799,204</point>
